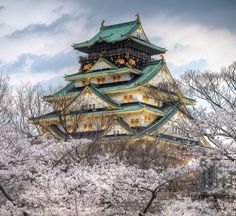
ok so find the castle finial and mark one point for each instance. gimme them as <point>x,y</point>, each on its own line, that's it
<point>138,17</point>
<point>102,24</point>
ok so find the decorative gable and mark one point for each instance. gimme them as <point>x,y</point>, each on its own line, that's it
<point>102,64</point>
<point>139,33</point>
<point>118,127</point>
<point>163,80</point>
<point>88,100</point>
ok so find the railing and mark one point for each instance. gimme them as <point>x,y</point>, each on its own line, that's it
<point>120,51</point>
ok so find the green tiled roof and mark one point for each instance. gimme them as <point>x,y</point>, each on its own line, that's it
<point>110,34</point>
<point>62,92</point>
<point>102,72</point>
<point>150,45</point>
<point>148,73</point>
<point>125,125</point>
<point>170,111</point>
<point>118,32</point>
<point>123,108</point>
<point>57,132</point>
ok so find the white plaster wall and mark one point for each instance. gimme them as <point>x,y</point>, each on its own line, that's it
<point>141,116</point>
<point>137,96</point>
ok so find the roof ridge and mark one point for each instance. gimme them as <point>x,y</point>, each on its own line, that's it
<point>119,24</point>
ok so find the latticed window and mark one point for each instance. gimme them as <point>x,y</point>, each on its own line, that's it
<point>101,80</point>
<point>116,78</point>
<point>125,98</point>
<point>130,98</point>
<point>147,118</point>
<point>116,132</point>
<point>132,122</point>
<point>85,81</point>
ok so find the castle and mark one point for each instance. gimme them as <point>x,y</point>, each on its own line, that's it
<point>120,91</point>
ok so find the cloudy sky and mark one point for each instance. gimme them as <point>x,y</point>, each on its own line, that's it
<point>36,35</point>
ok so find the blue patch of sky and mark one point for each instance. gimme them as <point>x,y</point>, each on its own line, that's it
<point>194,65</point>
<point>40,64</point>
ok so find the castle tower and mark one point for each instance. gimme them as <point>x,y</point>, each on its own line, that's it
<point>120,90</point>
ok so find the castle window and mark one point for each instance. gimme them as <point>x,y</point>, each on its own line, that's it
<point>101,80</point>
<point>132,122</point>
<point>130,98</point>
<point>145,118</point>
<point>85,127</point>
<point>145,99</point>
<point>90,106</point>
<point>136,122</point>
<point>94,106</point>
<point>85,81</point>
<point>176,129</point>
<point>90,126</point>
<point>116,132</point>
<point>125,98</point>
<point>116,78</point>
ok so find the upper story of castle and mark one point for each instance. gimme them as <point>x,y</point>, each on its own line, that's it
<point>123,44</point>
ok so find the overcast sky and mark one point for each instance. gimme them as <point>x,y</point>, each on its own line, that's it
<point>36,35</point>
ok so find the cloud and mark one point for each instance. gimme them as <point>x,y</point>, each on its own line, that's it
<point>2,7</point>
<point>55,27</point>
<point>41,64</point>
<point>187,43</point>
<point>47,28</point>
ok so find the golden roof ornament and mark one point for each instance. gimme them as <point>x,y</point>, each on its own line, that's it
<point>102,24</point>
<point>138,18</point>
<point>163,58</point>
